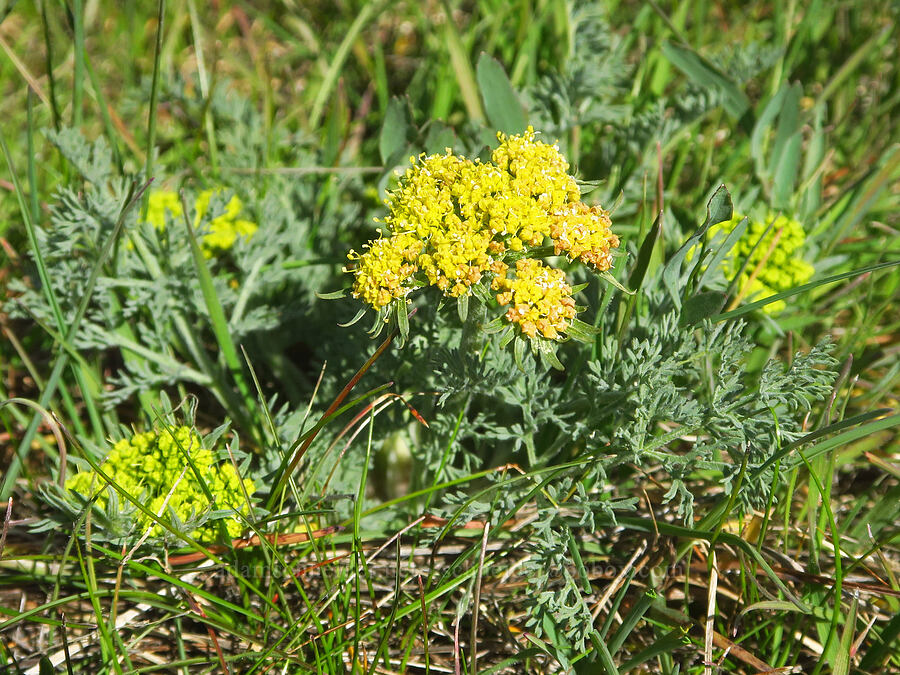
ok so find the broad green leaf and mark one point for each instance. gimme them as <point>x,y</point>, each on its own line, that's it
<point>636,278</point>
<point>394,130</point>
<point>718,210</point>
<point>702,72</point>
<point>502,106</point>
<point>462,306</point>
<point>760,130</point>
<point>439,138</point>
<point>812,166</point>
<point>701,306</point>
<point>785,160</point>
<point>786,173</point>
<point>788,124</point>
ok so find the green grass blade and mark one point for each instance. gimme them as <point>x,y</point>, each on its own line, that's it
<point>704,73</point>
<point>746,309</point>
<point>78,76</point>
<point>462,66</point>
<point>219,325</point>
<point>48,66</point>
<point>630,621</point>
<point>369,9</point>
<point>154,89</point>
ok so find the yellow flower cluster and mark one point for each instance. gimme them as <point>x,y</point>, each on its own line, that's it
<point>453,220</point>
<point>584,234</point>
<point>147,467</point>
<point>221,232</point>
<point>774,265</point>
<point>539,296</point>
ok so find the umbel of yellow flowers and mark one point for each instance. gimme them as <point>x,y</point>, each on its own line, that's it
<point>452,220</point>
<point>222,231</point>
<point>149,466</point>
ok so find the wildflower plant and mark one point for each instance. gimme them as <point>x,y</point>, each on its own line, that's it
<point>469,227</point>
<point>766,257</point>
<point>180,478</point>
<point>218,232</point>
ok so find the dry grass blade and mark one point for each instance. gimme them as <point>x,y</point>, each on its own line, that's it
<point>710,613</point>
<point>476,602</point>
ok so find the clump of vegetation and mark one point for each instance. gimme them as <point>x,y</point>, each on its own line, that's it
<point>766,259</point>
<point>171,474</point>
<point>222,231</point>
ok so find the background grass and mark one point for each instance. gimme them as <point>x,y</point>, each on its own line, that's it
<point>792,105</point>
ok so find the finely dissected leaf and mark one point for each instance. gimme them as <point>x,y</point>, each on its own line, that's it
<point>504,112</point>
<point>658,393</point>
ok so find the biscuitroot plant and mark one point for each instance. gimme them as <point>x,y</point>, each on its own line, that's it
<point>764,257</point>
<point>167,483</point>
<point>475,229</point>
